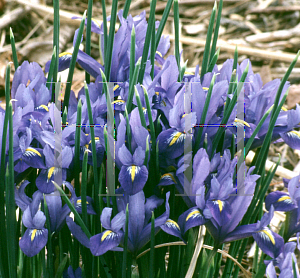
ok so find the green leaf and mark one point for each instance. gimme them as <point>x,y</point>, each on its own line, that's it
<point>10,202</point>
<point>146,152</point>
<point>206,53</point>
<point>132,84</point>
<point>124,264</point>
<point>140,108</point>
<point>84,186</point>
<point>72,208</point>
<point>13,49</point>
<point>151,24</point>
<point>110,42</point>
<point>61,267</point>
<point>176,27</point>
<point>51,70</point>
<point>88,35</point>
<point>77,148</point>
<point>216,33</point>
<point>163,22</point>
<point>72,64</point>
<point>152,249</point>
<point>56,24</point>
<point>203,115</point>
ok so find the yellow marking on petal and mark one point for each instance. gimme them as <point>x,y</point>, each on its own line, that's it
<point>97,138</point>
<point>269,235</point>
<point>106,233</point>
<point>96,21</point>
<point>33,234</point>
<point>157,93</point>
<point>296,132</point>
<point>132,172</point>
<point>242,122</point>
<point>45,107</point>
<point>116,87</point>
<point>159,53</point>
<point>183,115</point>
<point>50,172</point>
<point>79,202</point>
<point>224,103</point>
<point>191,214</point>
<point>175,138</point>
<point>34,151</point>
<point>205,88</point>
<point>64,54</point>
<point>87,145</point>
<point>168,175</point>
<point>220,203</point>
<point>284,198</point>
<point>117,101</point>
<point>174,223</point>
<point>283,108</point>
<point>188,72</point>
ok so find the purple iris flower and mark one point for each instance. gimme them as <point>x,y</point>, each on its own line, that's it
<point>288,202</point>
<point>140,210</point>
<point>112,236</point>
<point>133,175</point>
<point>26,155</point>
<point>29,87</point>
<point>70,273</point>
<point>171,141</point>
<point>53,168</point>
<point>36,236</point>
<point>284,262</point>
<point>76,201</point>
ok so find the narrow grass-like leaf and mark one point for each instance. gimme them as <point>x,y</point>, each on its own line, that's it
<point>132,54</point>
<point>152,51</point>
<point>163,22</point>
<point>132,84</point>
<point>128,131</point>
<point>157,161</point>
<point>126,8</point>
<point>182,69</point>
<point>72,64</point>
<point>151,23</point>
<point>50,73</point>
<point>146,152</point>
<point>251,139</point>
<point>283,81</point>
<point>64,118</point>
<point>104,28</point>
<point>61,267</point>
<point>262,156</point>
<point>50,262</point>
<point>124,264</point>
<point>206,54</point>
<point>10,203</point>
<point>216,32</point>
<point>140,108</point>
<point>94,153</point>
<point>13,49</point>
<point>72,208</point>
<point>213,60</point>
<point>176,28</point>
<point>88,35</point>
<point>110,42</point>
<point>3,239</point>
<point>151,124</point>
<point>294,268</point>
<point>56,24</point>
<point>203,115</point>
<point>229,110</point>
<point>77,148</point>
<point>84,186</point>
<point>152,249</point>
